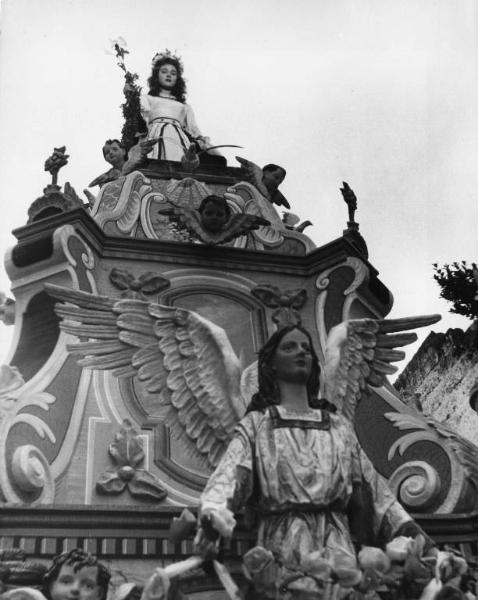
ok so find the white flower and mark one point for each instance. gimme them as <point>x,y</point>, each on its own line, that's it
<point>373,558</point>
<point>399,548</point>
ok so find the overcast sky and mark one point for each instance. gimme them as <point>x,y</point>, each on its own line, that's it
<point>380,93</point>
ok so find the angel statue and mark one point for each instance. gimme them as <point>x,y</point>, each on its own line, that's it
<point>291,455</point>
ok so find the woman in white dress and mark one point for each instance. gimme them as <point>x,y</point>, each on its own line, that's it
<point>168,117</point>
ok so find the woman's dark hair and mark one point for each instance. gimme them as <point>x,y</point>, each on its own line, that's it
<point>268,393</point>
<point>179,90</point>
<point>218,201</point>
<point>79,559</point>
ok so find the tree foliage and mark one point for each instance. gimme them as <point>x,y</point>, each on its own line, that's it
<point>459,286</point>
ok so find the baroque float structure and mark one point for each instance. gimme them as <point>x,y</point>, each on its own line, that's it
<point>87,457</point>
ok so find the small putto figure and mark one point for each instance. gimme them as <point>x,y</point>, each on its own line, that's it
<point>170,120</point>
<point>116,155</point>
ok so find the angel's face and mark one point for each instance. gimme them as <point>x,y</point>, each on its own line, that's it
<point>114,154</point>
<point>293,358</point>
<point>213,217</point>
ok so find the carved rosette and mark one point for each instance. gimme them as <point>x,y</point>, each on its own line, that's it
<point>26,477</point>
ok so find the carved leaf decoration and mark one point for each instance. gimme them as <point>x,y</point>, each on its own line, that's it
<point>121,279</point>
<point>110,482</point>
<point>296,298</point>
<point>467,456</point>
<point>285,302</point>
<point>267,294</point>
<point>152,283</point>
<point>10,379</point>
<point>126,450</point>
<point>240,224</point>
<point>128,219</point>
<point>147,486</point>
<point>183,358</point>
<point>360,352</point>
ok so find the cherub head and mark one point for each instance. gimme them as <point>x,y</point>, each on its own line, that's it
<point>115,153</point>
<point>215,213</point>
<point>76,574</point>
<point>273,176</point>
<point>279,358</point>
<point>167,75</point>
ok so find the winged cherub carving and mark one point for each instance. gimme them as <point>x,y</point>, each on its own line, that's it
<point>213,222</point>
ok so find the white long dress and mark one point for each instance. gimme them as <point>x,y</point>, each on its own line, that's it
<point>171,121</point>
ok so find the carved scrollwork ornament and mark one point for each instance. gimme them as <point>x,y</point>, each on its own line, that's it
<point>416,484</point>
<point>31,472</point>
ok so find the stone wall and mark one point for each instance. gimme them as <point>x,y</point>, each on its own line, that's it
<point>439,378</point>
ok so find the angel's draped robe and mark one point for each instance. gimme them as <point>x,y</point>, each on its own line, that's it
<point>309,478</point>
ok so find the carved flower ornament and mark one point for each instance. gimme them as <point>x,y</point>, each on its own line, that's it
<point>127,453</point>
<point>138,288</point>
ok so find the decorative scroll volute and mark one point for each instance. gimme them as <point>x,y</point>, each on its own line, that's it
<point>25,478</point>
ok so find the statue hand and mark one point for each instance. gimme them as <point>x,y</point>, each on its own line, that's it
<point>146,146</point>
<point>204,545</point>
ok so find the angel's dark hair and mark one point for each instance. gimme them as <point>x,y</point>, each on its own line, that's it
<point>268,393</point>
<point>271,167</point>
<point>179,90</point>
<point>79,559</point>
<point>217,201</point>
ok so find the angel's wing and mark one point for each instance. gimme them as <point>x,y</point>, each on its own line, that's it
<point>110,175</point>
<point>180,356</point>
<point>239,224</point>
<point>253,175</point>
<point>360,352</point>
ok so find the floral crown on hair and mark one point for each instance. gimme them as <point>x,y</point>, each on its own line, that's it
<point>167,54</point>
